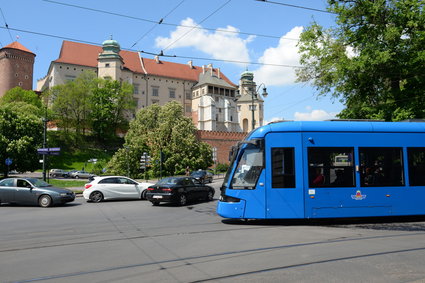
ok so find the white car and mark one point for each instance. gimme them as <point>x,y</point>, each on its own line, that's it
<point>114,187</point>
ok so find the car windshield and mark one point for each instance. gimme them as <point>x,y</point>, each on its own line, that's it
<point>168,181</point>
<point>198,174</point>
<point>38,183</point>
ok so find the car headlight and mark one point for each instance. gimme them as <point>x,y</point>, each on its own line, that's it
<point>64,194</point>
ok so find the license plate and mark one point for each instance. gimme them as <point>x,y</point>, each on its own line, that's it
<point>157,197</point>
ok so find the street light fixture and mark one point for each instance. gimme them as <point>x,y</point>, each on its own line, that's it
<point>254,96</point>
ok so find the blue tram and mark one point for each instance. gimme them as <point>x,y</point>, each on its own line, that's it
<point>295,170</point>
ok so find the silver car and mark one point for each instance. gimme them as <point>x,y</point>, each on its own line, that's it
<point>81,174</point>
<point>32,191</point>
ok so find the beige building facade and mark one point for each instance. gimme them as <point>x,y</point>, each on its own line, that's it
<point>207,95</point>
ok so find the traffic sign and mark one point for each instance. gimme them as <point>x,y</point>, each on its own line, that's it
<point>49,151</point>
<point>8,161</point>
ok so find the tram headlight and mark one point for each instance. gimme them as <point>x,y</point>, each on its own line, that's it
<point>225,198</point>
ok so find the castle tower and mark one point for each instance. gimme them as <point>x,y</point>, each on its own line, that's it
<point>16,67</point>
<point>249,103</point>
<point>109,62</point>
<point>213,102</point>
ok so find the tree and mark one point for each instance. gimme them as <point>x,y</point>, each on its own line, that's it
<point>70,103</point>
<point>372,61</point>
<point>163,129</point>
<point>20,136</point>
<point>111,106</point>
<point>17,94</point>
<point>18,99</point>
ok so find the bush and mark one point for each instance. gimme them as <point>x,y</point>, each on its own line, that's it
<point>222,167</point>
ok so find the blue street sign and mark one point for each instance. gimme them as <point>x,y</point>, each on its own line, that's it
<point>8,161</point>
<point>49,151</point>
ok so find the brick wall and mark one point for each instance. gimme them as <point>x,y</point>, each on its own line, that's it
<point>223,141</point>
<point>16,68</point>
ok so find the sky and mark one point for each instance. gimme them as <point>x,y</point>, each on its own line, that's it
<point>233,35</point>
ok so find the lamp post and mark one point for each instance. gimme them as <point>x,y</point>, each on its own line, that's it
<point>254,96</point>
<point>45,120</point>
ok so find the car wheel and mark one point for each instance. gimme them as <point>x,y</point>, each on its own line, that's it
<point>155,203</point>
<point>77,177</point>
<point>96,197</point>
<point>45,201</point>
<point>210,196</point>
<point>144,192</point>
<point>182,200</point>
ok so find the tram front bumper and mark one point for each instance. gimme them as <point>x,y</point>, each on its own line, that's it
<point>231,209</point>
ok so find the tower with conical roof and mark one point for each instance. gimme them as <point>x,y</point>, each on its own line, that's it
<point>109,62</point>
<point>16,67</point>
<point>249,103</point>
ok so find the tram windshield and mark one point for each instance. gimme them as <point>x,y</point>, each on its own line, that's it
<point>249,165</point>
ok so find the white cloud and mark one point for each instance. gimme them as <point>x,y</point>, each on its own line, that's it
<point>211,43</point>
<point>314,115</point>
<point>286,53</point>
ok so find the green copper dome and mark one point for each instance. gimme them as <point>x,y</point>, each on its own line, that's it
<point>111,42</point>
<point>247,76</point>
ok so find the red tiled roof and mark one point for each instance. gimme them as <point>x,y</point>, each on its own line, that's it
<point>86,55</point>
<point>17,45</point>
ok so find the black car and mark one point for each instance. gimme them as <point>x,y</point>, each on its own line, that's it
<point>33,191</point>
<point>179,190</point>
<point>203,176</point>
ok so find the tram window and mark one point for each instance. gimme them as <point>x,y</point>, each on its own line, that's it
<point>331,167</point>
<point>416,156</point>
<point>283,171</point>
<point>381,166</point>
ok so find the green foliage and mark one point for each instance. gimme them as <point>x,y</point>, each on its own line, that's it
<point>159,129</point>
<point>91,103</point>
<point>20,136</point>
<point>372,61</point>
<point>17,94</point>
<point>222,167</point>
<point>109,104</point>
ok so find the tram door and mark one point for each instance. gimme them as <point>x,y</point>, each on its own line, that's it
<point>284,188</point>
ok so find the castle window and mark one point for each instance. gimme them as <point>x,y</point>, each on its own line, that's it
<point>188,108</point>
<point>26,77</point>
<point>20,83</point>
<point>172,92</point>
<point>155,101</point>
<point>136,88</point>
<point>155,91</point>
<point>107,65</point>
<point>16,75</point>
<point>188,95</point>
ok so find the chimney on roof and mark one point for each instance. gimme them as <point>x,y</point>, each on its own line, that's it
<point>218,73</point>
<point>211,69</point>
<point>157,59</point>
<point>190,63</point>
<point>203,69</point>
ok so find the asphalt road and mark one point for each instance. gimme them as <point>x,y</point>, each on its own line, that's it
<point>133,241</point>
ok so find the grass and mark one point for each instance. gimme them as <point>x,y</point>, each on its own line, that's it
<point>67,183</point>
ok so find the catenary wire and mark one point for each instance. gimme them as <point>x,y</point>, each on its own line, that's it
<point>203,20</point>
<point>128,49</point>
<point>157,24</point>
<point>295,6</point>
<point>170,24</point>
<point>6,25</point>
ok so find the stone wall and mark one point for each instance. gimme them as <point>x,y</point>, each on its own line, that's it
<point>223,141</point>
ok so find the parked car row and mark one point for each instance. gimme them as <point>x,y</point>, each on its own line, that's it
<point>77,174</point>
<point>179,190</point>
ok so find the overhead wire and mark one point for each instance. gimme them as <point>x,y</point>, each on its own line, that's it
<point>6,25</point>
<point>170,24</point>
<point>157,24</point>
<point>151,53</point>
<point>296,6</point>
<point>203,20</point>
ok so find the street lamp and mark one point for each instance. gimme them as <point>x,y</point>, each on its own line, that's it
<point>254,96</point>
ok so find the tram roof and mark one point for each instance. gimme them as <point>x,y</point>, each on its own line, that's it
<point>340,126</point>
